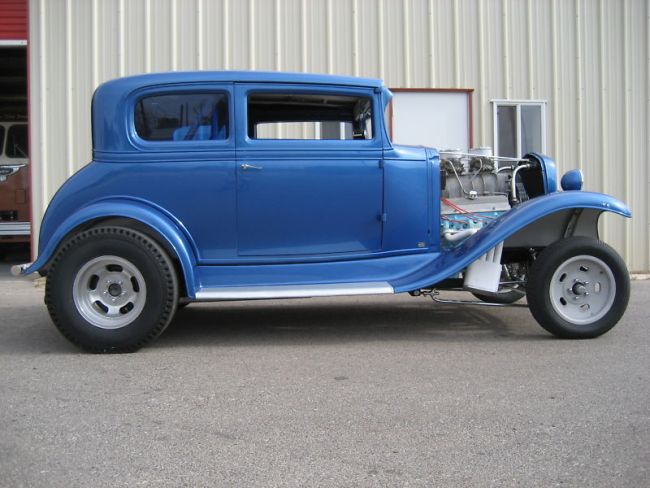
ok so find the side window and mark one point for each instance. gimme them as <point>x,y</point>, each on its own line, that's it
<point>2,138</point>
<point>307,116</point>
<point>17,142</point>
<point>519,127</point>
<point>182,117</point>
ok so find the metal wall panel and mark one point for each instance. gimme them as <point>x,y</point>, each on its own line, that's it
<point>588,58</point>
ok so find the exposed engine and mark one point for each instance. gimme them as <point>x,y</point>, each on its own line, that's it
<point>477,187</point>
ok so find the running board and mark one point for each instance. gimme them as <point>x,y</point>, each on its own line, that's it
<point>292,291</point>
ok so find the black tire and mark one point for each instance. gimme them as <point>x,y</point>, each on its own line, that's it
<point>542,289</point>
<point>154,289</point>
<point>505,297</point>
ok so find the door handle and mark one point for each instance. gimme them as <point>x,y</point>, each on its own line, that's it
<point>246,166</point>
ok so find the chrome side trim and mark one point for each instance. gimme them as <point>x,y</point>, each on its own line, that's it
<point>15,228</point>
<point>293,291</point>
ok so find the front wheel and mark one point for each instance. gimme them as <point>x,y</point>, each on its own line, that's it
<point>111,289</point>
<point>578,288</point>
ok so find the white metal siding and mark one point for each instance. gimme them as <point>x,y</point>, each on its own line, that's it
<point>588,58</point>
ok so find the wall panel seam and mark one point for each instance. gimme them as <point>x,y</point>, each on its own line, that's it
<point>629,194</point>
<point>42,109</point>
<point>579,87</point>
<point>69,119</point>
<point>199,34</point>
<point>603,104</point>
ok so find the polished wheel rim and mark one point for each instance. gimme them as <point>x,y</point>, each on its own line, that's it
<point>109,292</point>
<point>582,290</point>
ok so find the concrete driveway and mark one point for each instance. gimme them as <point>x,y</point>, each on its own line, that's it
<point>371,391</point>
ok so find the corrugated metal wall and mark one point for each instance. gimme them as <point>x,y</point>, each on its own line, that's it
<point>588,58</point>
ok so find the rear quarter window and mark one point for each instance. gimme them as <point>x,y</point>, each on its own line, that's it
<point>182,117</point>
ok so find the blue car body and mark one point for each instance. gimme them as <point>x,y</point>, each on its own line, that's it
<point>322,217</point>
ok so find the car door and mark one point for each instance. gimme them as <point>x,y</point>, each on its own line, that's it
<point>299,195</point>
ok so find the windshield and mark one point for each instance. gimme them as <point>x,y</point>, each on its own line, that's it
<point>17,141</point>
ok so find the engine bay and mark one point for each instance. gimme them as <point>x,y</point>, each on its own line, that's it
<point>477,188</point>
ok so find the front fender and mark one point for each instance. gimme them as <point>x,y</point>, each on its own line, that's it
<point>123,208</point>
<point>458,258</point>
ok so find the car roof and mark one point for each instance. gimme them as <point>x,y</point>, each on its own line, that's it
<point>111,110</point>
<point>111,100</point>
<point>244,77</point>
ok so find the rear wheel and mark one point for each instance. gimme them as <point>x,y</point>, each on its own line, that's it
<point>578,288</point>
<point>111,289</point>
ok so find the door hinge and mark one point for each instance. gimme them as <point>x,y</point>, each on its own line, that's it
<point>381,164</point>
<point>382,217</point>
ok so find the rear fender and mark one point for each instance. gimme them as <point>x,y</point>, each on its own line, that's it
<point>535,223</point>
<point>137,210</point>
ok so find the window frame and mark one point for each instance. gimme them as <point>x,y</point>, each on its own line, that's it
<point>225,89</point>
<point>517,103</point>
<point>244,90</point>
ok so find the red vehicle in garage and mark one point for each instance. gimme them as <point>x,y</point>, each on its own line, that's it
<point>14,183</point>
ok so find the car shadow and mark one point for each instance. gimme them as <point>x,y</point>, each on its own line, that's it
<point>28,329</point>
<point>330,321</point>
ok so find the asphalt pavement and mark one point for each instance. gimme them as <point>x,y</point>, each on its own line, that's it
<point>370,391</point>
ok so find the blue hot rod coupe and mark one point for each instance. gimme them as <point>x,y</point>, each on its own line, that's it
<point>210,186</point>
